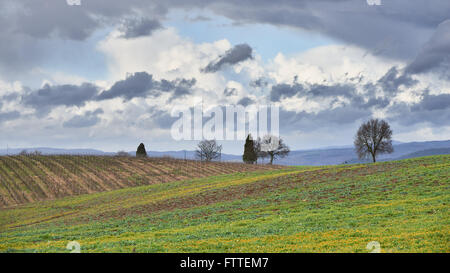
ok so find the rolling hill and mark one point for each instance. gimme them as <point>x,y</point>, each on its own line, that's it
<point>402,205</point>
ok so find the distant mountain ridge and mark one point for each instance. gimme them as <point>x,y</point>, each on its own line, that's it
<point>428,152</point>
<point>315,157</point>
<point>53,151</point>
<point>319,157</point>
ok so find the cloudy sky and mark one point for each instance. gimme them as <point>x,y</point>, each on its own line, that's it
<point>106,74</point>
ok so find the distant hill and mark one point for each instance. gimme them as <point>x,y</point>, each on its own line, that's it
<point>315,157</point>
<point>54,151</point>
<point>319,157</point>
<point>429,152</point>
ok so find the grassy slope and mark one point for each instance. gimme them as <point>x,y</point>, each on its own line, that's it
<point>403,205</point>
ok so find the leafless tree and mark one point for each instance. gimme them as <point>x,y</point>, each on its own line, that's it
<point>208,150</point>
<point>25,152</point>
<point>36,152</point>
<point>272,147</point>
<point>122,154</point>
<point>257,148</point>
<point>373,138</point>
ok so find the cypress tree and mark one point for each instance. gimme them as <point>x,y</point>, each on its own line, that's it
<point>141,152</point>
<point>249,155</point>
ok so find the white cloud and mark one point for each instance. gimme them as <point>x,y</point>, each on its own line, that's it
<point>56,77</point>
<point>422,133</point>
<point>332,64</point>
<point>164,54</point>
<point>7,88</point>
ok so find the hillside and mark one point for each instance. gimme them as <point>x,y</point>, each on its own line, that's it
<point>403,205</point>
<point>30,178</point>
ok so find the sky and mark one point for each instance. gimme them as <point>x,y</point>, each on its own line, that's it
<point>107,74</point>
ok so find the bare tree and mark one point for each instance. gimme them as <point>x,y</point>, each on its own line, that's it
<point>260,154</point>
<point>208,150</point>
<point>35,152</point>
<point>373,138</point>
<point>272,147</point>
<point>122,154</point>
<point>257,149</point>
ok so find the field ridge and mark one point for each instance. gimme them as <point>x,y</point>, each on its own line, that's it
<point>30,178</point>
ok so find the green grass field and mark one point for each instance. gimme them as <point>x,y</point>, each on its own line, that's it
<point>403,205</point>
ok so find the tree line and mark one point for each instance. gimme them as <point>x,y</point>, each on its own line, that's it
<point>373,138</point>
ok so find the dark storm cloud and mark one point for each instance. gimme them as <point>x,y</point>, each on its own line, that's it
<point>319,90</point>
<point>349,20</point>
<point>237,54</point>
<point>292,121</point>
<point>56,95</point>
<point>142,84</point>
<point>284,90</point>
<point>9,97</point>
<point>361,100</point>
<point>375,102</point>
<point>162,118</point>
<point>435,54</point>
<point>393,79</point>
<point>30,25</point>
<point>139,27</point>
<point>390,84</point>
<point>199,18</point>
<point>397,28</point>
<point>5,116</point>
<point>245,101</point>
<point>44,19</point>
<point>432,109</point>
<point>315,91</point>
<point>157,118</point>
<point>258,83</point>
<point>433,102</point>
<point>429,111</point>
<point>179,87</point>
<point>228,91</point>
<point>81,121</point>
<point>137,85</point>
